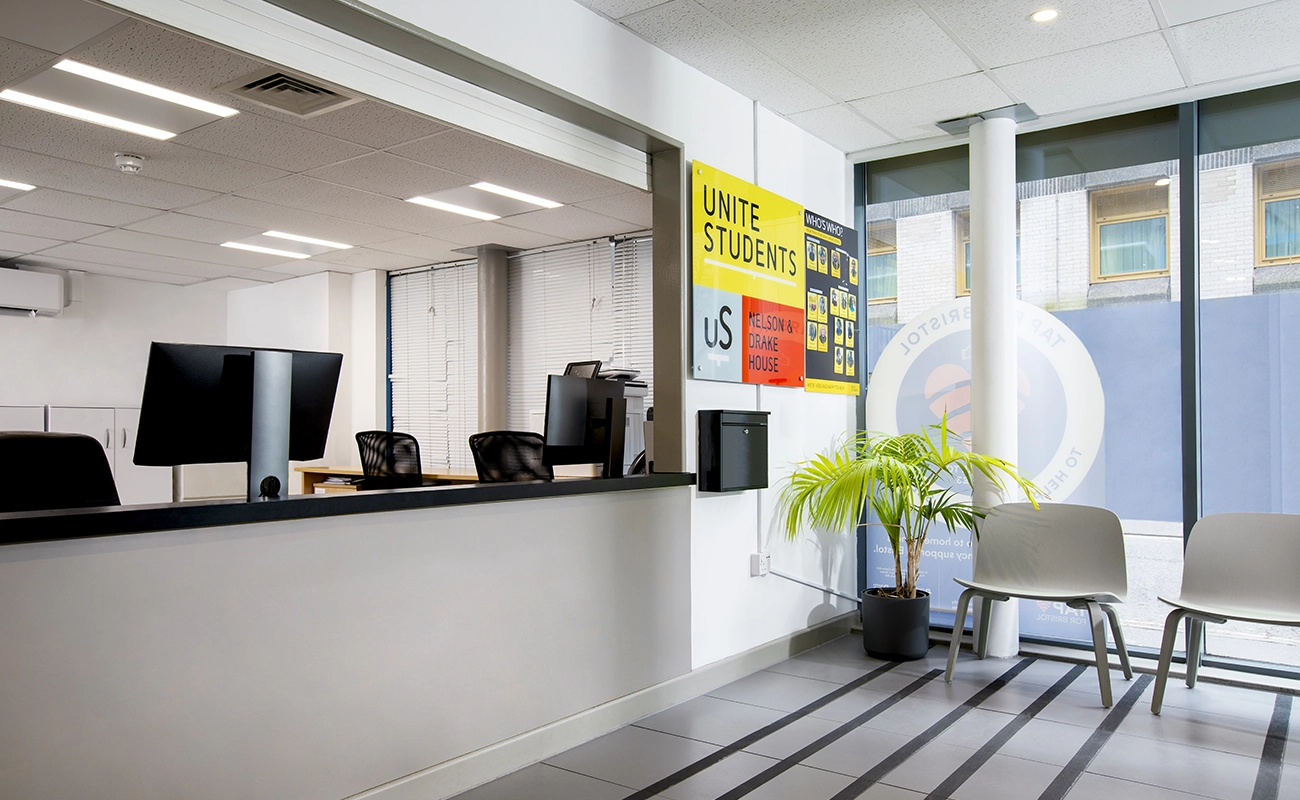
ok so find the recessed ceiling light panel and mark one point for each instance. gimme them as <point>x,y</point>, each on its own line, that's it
<point>131,84</point>
<point>84,114</point>
<point>1045,15</point>
<point>22,187</point>
<point>453,208</point>
<point>267,250</point>
<point>516,195</point>
<point>293,237</point>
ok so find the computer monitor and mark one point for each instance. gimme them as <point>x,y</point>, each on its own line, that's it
<point>582,369</point>
<point>208,404</point>
<point>585,418</point>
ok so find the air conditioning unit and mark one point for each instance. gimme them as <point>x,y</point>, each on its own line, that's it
<point>31,292</point>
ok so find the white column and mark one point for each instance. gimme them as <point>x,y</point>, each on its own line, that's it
<point>993,325</point>
<point>491,339</point>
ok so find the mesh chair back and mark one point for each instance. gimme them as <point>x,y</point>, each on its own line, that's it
<point>388,454</point>
<point>509,456</point>
<point>1057,549</point>
<point>40,471</point>
<point>1245,561</point>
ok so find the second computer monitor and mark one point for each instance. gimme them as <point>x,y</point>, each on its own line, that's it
<point>584,422</point>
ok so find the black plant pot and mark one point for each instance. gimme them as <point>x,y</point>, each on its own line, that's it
<point>895,628</point>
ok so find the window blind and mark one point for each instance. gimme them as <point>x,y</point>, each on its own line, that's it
<point>433,340</point>
<point>633,292</point>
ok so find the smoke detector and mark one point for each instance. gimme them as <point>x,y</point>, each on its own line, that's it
<point>128,163</point>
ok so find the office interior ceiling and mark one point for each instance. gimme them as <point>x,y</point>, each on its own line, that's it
<point>873,75</point>
<point>341,176</point>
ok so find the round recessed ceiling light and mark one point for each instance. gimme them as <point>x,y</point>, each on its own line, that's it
<point>1045,15</point>
<point>1162,182</point>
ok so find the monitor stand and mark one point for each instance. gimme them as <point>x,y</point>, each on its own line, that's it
<point>268,451</point>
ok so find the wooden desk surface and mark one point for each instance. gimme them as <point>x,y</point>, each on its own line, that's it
<point>314,476</point>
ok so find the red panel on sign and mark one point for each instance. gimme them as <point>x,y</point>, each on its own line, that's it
<point>773,343</point>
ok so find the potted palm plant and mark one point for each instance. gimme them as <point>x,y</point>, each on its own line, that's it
<point>909,482</point>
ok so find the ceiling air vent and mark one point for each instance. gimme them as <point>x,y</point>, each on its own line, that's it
<point>288,93</point>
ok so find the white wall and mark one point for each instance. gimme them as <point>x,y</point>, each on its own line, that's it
<point>95,352</point>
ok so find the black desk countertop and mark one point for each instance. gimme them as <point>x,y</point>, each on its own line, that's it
<point>85,523</point>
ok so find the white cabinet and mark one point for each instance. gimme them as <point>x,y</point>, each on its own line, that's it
<point>115,429</point>
<point>22,418</point>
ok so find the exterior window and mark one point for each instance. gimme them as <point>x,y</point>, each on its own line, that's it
<point>882,262</point>
<point>1277,213</point>
<point>963,251</point>
<point>1130,232</point>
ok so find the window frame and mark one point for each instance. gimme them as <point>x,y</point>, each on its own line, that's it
<point>962,241</point>
<point>1095,223</point>
<point>1261,167</point>
<point>880,251</point>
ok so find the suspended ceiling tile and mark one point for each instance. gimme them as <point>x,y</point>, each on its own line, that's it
<point>17,60</point>
<point>854,49</point>
<point>79,91</point>
<point>486,160</point>
<point>229,284</point>
<point>55,25</point>
<point>115,271</point>
<point>6,255</point>
<point>1094,76</point>
<point>1180,12</point>
<point>1000,31</point>
<point>268,217</point>
<point>79,208</point>
<point>370,123</point>
<point>425,248</point>
<point>569,223</point>
<point>266,141</point>
<point>686,30</point>
<point>912,113</point>
<point>22,243</point>
<point>1245,43</point>
<point>49,227</point>
<point>841,128</point>
<point>634,207</point>
<point>137,242</point>
<point>619,8</point>
<point>307,194</point>
<point>363,258</point>
<point>297,269</point>
<point>111,184</point>
<point>196,229</point>
<point>479,233</point>
<point>146,261</point>
<point>387,174</point>
<point>264,275</point>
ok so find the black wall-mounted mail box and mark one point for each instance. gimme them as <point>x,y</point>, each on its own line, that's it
<point>733,450</point>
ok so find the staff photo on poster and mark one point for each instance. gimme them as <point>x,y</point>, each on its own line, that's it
<point>831,252</point>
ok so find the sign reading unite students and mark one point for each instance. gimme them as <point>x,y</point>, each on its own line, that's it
<point>747,278</point>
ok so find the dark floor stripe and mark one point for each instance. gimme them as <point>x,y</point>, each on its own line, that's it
<point>981,756</point>
<point>895,759</point>
<point>1269,780</point>
<point>1065,780</point>
<point>697,767</point>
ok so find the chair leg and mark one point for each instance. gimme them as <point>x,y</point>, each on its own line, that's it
<point>1194,651</point>
<point>958,624</point>
<point>986,616</point>
<point>1118,635</point>
<point>1098,622</point>
<point>1172,622</point>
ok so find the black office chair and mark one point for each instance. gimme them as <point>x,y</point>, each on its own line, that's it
<point>390,460</point>
<point>509,456</point>
<point>42,471</point>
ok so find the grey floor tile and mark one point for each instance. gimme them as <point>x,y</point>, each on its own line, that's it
<point>801,782</point>
<point>632,757</point>
<point>1290,787</point>
<point>720,778</point>
<point>792,737</point>
<point>851,705</point>
<point>847,649</point>
<point>1230,701</point>
<point>1198,729</point>
<point>1046,741</point>
<point>1079,708</point>
<point>711,719</point>
<point>953,694</point>
<point>1291,755</point>
<point>1014,698</point>
<point>1007,778</point>
<point>883,791</point>
<point>928,767</point>
<point>774,690</point>
<point>542,782</point>
<point>910,717</point>
<point>1175,766</point>
<point>822,671</point>
<point>1101,787</point>
<point>857,752</point>
<point>975,729</point>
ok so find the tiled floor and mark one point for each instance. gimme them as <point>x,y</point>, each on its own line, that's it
<point>832,724</point>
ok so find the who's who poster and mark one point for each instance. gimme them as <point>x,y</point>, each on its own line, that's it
<point>747,276</point>
<point>832,334</point>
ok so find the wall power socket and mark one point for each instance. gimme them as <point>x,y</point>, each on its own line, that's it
<point>759,564</point>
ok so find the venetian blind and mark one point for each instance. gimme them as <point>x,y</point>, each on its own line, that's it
<point>634,310</point>
<point>433,341</point>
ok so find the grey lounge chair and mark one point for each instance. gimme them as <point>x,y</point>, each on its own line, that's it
<point>1236,566</point>
<point>1059,553</point>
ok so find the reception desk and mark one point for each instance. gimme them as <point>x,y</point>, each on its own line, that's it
<point>323,646</point>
